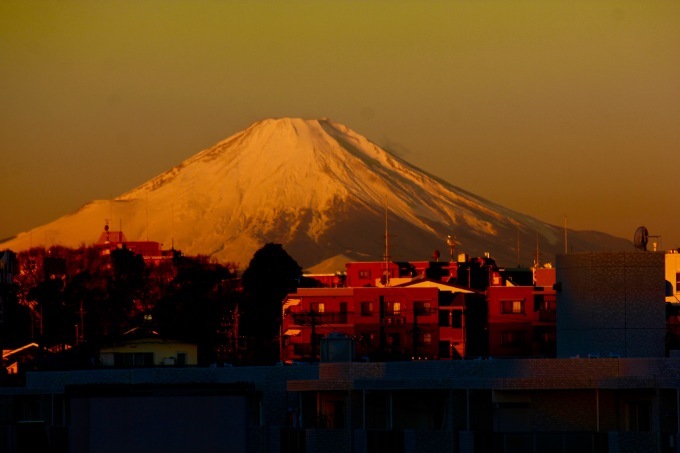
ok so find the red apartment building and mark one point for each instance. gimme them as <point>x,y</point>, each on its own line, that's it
<point>457,310</point>
<point>521,321</point>
<point>386,323</point>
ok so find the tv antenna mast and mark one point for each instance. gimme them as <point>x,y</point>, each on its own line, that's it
<point>386,273</point>
<point>537,258</point>
<point>106,229</point>
<point>451,242</point>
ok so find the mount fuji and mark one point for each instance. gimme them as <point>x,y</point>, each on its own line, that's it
<point>325,192</point>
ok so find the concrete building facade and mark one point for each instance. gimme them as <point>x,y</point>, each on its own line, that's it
<point>465,406</point>
<point>611,304</point>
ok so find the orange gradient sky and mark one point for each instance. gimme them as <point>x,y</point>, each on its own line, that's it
<point>550,108</point>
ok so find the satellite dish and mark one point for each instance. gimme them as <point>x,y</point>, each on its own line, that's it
<point>640,239</point>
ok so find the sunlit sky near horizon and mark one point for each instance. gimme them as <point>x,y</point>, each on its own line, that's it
<point>551,108</point>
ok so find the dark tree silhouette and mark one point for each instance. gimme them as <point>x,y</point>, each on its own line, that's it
<point>90,297</point>
<point>125,288</point>
<point>270,276</point>
<point>87,294</point>
<point>194,304</point>
<point>55,320</point>
<point>15,319</point>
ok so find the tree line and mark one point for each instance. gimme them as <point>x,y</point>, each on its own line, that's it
<point>81,299</point>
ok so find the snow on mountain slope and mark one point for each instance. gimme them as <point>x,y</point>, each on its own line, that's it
<point>318,188</point>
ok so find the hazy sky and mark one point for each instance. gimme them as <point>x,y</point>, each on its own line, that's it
<point>551,108</point>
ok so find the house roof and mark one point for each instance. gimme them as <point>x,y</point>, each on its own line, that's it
<point>430,283</point>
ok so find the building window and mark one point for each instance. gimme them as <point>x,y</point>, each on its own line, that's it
<point>365,274</point>
<point>451,318</point>
<point>393,340</point>
<point>132,359</point>
<point>539,302</point>
<point>181,359</point>
<point>550,303</point>
<point>677,282</point>
<point>457,318</point>
<point>512,306</point>
<point>545,336</point>
<point>444,349</point>
<point>366,338</point>
<point>512,338</point>
<point>366,308</point>
<point>427,338</point>
<point>422,307</point>
<point>341,318</point>
<point>392,308</point>
<point>318,307</point>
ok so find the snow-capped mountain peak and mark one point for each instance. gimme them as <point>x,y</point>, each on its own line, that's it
<point>315,186</point>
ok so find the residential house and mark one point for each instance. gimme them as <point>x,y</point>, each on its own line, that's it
<point>142,347</point>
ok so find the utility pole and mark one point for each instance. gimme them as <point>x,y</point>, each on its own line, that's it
<point>386,274</point>
<point>381,325</point>
<point>81,336</point>
<point>415,332</point>
<point>312,315</point>
<point>565,235</point>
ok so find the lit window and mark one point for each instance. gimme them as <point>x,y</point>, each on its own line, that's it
<point>396,308</point>
<point>365,274</point>
<point>427,338</point>
<point>512,306</point>
<point>366,308</point>
<point>318,307</point>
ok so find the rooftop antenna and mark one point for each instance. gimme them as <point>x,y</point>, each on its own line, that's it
<point>536,260</point>
<point>565,234</point>
<point>147,217</point>
<point>386,274</point>
<point>518,246</point>
<point>451,242</point>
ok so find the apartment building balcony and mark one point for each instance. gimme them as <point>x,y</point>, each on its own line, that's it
<point>307,319</point>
